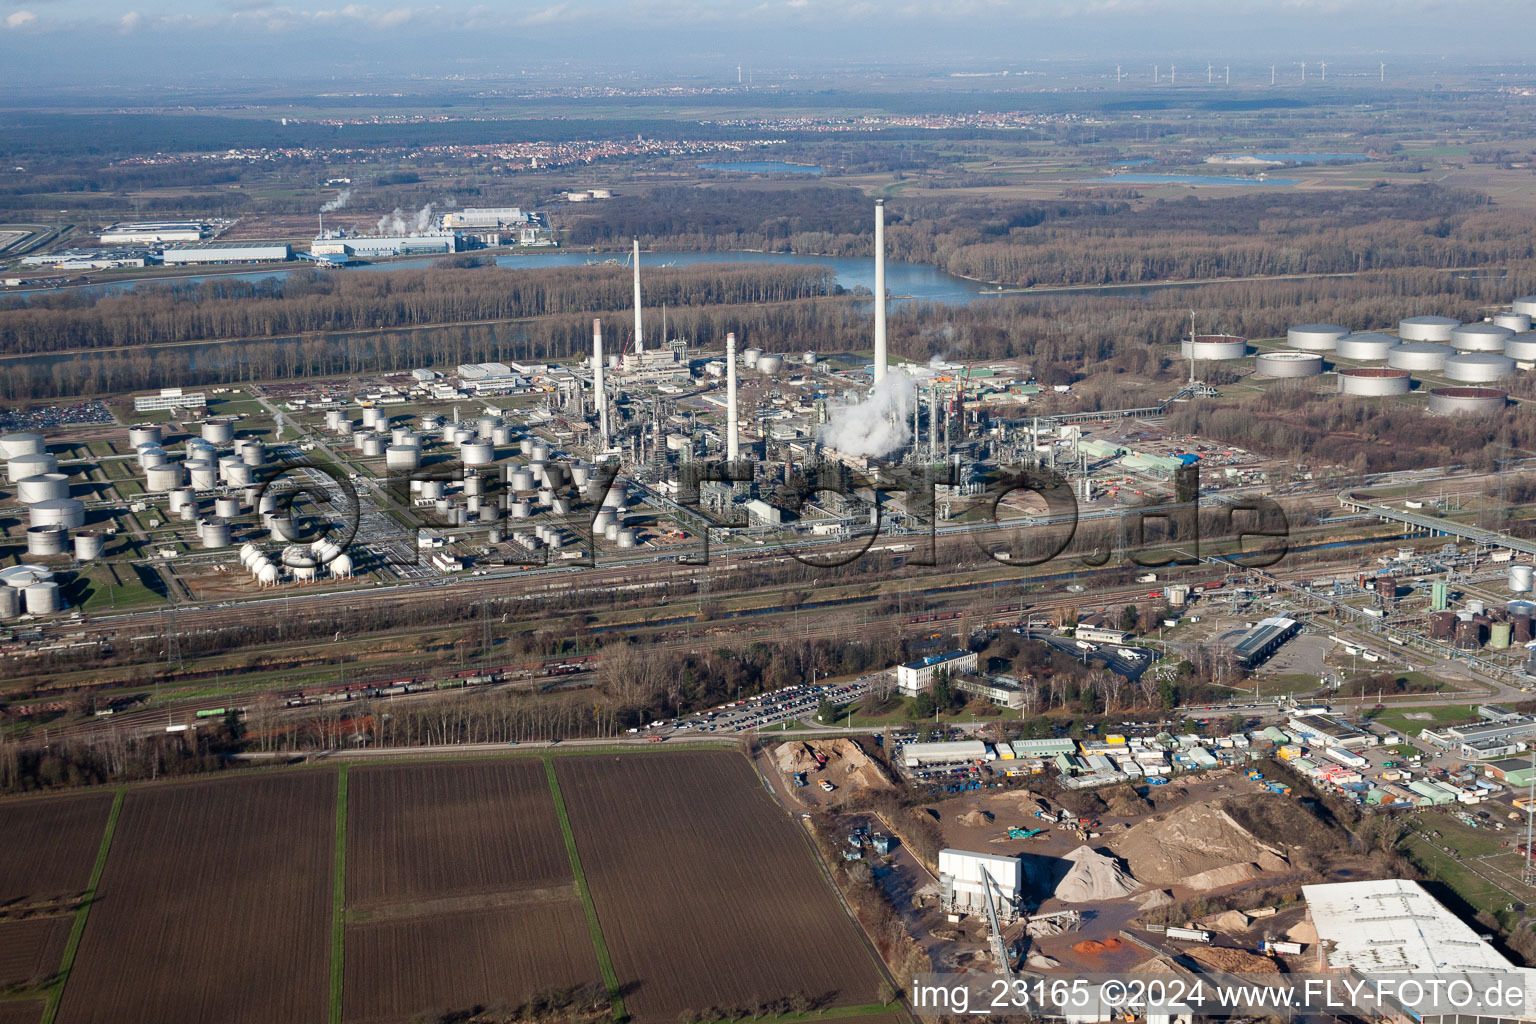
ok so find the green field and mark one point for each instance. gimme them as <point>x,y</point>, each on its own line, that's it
<point>1445,714</point>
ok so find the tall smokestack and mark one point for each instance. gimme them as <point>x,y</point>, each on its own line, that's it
<point>880,355</point>
<point>732,441</point>
<point>598,394</point>
<point>639,336</point>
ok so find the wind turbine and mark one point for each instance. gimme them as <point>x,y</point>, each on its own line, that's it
<point>1271,74</point>
<point>1325,71</point>
<point>1208,70</point>
<point>1229,74</point>
<point>1303,72</point>
<point>1383,72</point>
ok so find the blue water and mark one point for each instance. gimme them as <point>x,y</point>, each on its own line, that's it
<point>762,167</point>
<point>1183,179</point>
<point>921,282</point>
<point>1303,158</point>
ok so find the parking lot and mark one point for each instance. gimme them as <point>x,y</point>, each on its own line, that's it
<point>789,704</point>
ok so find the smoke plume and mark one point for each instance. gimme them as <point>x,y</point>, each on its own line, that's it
<point>396,224</point>
<point>337,203</point>
<point>876,426</point>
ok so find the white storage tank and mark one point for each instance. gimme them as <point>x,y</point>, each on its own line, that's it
<point>520,480</point>
<point>44,598</point>
<point>215,533</point>
<point>539,452</point>
<point>404,457</point>
<point>23,466</point>
<point>1288,364</point>
<point>335,421</point>
<point>501,436</point>
<point>226,507</point>
<point>373,418</point>
<point>432,489</point>
<point>768,365</point>
<point>373,446</point>
<point>1366,346</point>
<point>1214,346</point>
<point>402,435</point>
<point>218,431</point>
<point>1315,337</point>
<point>1520,577</point>
<point>1427,328</point>
<point>1525,304</point>
<point>1515,322</point>
<point>10,602</point>
<point>180,498</point>
<point>1480,338</point>
<point>626,538</point>
<point>241,475</point>
<point>359,436</point>
<point>57,512</point>
<point>1421,356</point>
<point>152,455</point>
<point>521,510</point>
<point>750,357</point>
<point>1479,367</point>
<point>89,546</point>
<point>266,576</point>
<point>21,443</point>
<point>46,540</point>
<point>145,433</point>
<point>1522,349</point>
<point>203,474</point>
<point>477,453</point>
<point>254,453</point>
<point>43,487</point>
<point>1374,381</point>
<point>340,566</point>
<point>1467,401</point>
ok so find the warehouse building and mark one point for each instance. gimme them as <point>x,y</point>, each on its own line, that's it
<point>966,877</point>
<point>1515,772</point>
<point>1264,639</point>
<point>227,252</point>
<point>153,231</point>
<point>1391,929</point>
<point>427,243</point>
<point>1483,742</point>
<point>916,677</point>
<point>170,398</point>
<point>485,217</point>
<point>1324,731</point>
<point>916,755</point>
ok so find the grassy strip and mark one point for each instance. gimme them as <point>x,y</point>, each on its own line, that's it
<point>67,964</point>
<point>339,895</point>
<point>832,1013</point>
<point>594,927</point>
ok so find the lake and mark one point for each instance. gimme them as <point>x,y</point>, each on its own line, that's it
<point>762,167</point>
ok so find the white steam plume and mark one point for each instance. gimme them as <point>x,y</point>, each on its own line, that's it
<point>876,426</point>
<point>424,217</point>
<point>337,203</point>
<point>396,224</point>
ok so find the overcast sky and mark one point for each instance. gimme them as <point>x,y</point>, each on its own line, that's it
<point>144,41</point>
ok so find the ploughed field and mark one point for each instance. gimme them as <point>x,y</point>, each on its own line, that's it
<point>708,894</point>
<point>217,900</point>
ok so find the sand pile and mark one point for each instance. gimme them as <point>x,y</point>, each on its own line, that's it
<point>1094,876</point>
<point>1044,929</point>
<point>1237,961</point>
<point>1218,878</point>
<point>975,819</point>
<point>1303,932</point>
<point>1182,845</point>
<point>1153,898</point>
<point>1041,962</point>
<point>1124,802</point>
<point>1228,921</point>
<point>847,765</point>
<point>1093,947</point>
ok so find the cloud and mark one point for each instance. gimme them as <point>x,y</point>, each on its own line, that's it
<point>130,22</point>
<point>19,19</point>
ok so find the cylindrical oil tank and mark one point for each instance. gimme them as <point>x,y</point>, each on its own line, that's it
<point>560,507</point>
<point>1442,625</point>
<point>1522,348</point>
<point>808,358</point>
<point>152,455</point>
<point>1468,635</point>
<point>750,357</point>
<point>335,420</point>
<point>1516,322</point>
<point>1212,346</point>
<point>225,462</point>
<point>458,435</point>
<point>768,365</point>
<point>145,433</point>
<point>626,538</point>
<point>44,598</point>
<point>23,443</point>
<point>546,497</point>
<point>1374,381</point>
<point>198,449</point>
<point>43,487</point>
<point>216,533</point>
<point>402,435</point>
<point>1480,338</point>
<point>254,453</point>
<point>359,436</point>
<point>1520,579</point>
<point>373,446</point>
<point>241,475</point>
<point>226,507</point>
<point>1498,635</point>
<point>179,498</point>
<point>402,457</point>
<point>1476,607</point>
<point>1366,346</point>
<point>443,506</point>
<point>603,520</point>
<point>474,483</point>
<point>46,540</point>
<point>1466,401</point>
<point>1479,367</point>
<point>1427,328</point>
<point>501,436</point>
<point>580,473</point>
<point>477,453</point>
<point>372,416</point>
<point>493,535</point>
<point>1525,304</point>
<point>1518,607</point>
<point>520,480</point>
<point>203,474</point>
<point>23,466</point>
<point>1315,337</point>
<point>10,602</point>
<point>525,446</point>
<point>1288,364</point>
<point>89,546</point>
<point>1423,356</point>
<point>521,510</point>
<point>1522,630</point>
<point>188,512</point>
<point>57,512</point>
<point>432,489</point>
<point>218,431</point>
<point>611,531</point>
<point>472,504</point>
<point>540,452</point>
<point>486,424</point>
